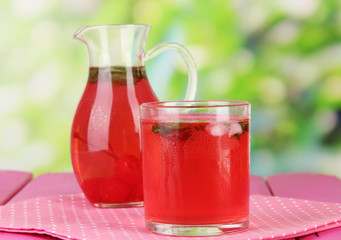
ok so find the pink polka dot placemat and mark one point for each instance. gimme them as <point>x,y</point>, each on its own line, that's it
<point>72,217</point>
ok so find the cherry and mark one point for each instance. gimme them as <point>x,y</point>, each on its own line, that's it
<point>90,189</point>
<point>129,169</point>
<point>136,194</point>
<point>113,190</point>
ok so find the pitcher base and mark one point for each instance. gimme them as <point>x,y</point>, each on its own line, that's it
<point>118,205</point>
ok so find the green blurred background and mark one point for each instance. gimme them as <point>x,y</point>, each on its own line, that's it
<point>284,56</point>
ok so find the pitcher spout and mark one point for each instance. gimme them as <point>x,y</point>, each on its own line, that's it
<point>110,45</point>
<point>79,33</point>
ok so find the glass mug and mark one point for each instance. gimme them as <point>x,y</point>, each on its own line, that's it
<point>196,162</point>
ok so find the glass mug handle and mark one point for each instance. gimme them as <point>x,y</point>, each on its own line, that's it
<point>186,56</point>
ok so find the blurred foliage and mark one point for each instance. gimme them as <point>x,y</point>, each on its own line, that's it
<point>283,56</point>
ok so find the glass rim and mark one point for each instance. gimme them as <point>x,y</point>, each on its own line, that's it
<point>119,25</point>
<point>215,104</point>
<point>110,26</point>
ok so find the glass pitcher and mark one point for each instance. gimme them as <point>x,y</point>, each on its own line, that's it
<point>105,145</point>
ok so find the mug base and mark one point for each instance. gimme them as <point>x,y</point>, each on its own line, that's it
<point>197,230</point>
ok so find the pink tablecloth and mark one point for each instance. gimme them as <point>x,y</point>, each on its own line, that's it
<point>72,217</point>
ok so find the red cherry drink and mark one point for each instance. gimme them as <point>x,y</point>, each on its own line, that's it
<point>105,148</point>
<point>196,173</point>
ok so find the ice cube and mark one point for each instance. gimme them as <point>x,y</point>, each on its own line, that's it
<point>217,129</point>
<point>235,128</point>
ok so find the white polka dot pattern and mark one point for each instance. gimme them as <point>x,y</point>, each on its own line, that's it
<point>72,217</point>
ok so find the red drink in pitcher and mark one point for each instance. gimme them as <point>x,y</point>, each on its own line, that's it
<point>196,172</point>
<point>105,148</point>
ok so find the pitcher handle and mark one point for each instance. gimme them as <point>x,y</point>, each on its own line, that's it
<point>186,56</point>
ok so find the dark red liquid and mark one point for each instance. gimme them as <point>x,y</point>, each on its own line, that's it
<point>196,173</point>
<point>105,148</point>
